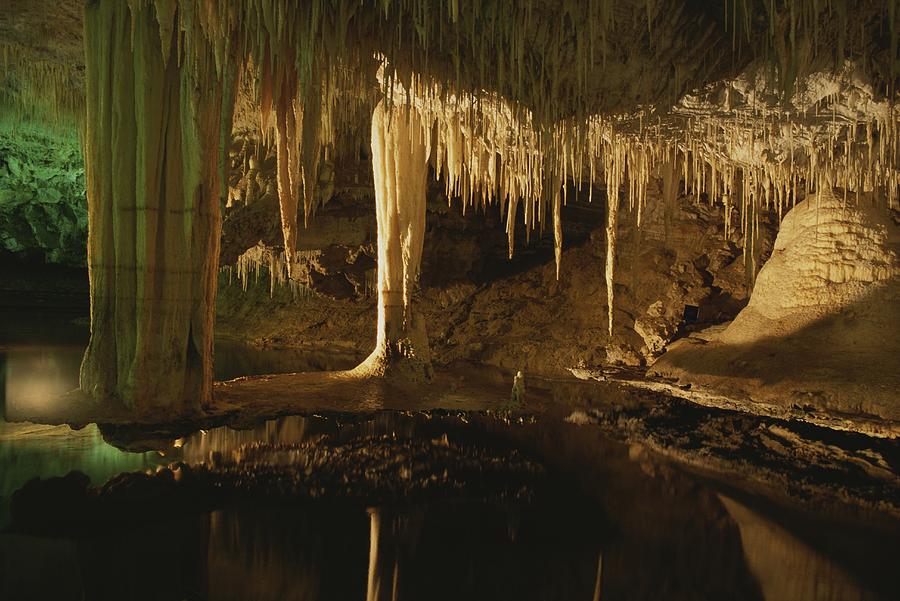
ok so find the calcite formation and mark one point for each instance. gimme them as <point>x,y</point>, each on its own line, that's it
<point>511,103</point>
<point>152,152</point>
<point>827,258</point>
<point>820,330</point>
<point>400,151</point>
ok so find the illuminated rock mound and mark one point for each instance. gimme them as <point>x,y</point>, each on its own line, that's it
<point>820,330</point>
<point>828,259</point>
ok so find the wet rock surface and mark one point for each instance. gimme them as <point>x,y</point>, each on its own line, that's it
<point>798,460</point>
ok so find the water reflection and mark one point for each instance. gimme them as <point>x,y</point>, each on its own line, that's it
<point>607,523</point>
<point>310,552</point>
<point>36,451</point>
<point>788,568</point>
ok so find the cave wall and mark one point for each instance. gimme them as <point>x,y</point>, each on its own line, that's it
<point>43,210</point>
<point>477,303</point>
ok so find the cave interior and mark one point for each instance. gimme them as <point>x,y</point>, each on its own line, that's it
<point>551,299</point>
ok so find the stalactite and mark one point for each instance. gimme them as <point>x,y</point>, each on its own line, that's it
<point>401,146</point>
<point>258,258</point>
<point>612,211</point>
<point>557,227</point>
<point>152,156</point>
<point>288,120</point>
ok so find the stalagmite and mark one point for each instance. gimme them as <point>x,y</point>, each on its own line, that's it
<point>400,151</point>
<point>151,155</point>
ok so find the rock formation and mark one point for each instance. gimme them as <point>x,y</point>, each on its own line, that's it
<point>400,153</point>
<point>517,105</point>
<point>820,330</point>
<point>152,150</point>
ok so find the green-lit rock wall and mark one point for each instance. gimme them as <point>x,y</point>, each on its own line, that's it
<point>43,208</point>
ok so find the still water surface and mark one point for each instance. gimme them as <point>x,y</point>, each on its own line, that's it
<point>604,521</point>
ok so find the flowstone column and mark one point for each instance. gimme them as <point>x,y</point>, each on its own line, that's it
<point>152,150</point>
<point>400,150</point>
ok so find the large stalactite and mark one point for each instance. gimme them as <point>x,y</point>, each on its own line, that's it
<point>400,152</point>
<point>152,152</point>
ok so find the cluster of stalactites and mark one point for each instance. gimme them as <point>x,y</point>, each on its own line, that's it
<point>486,151</point>
<point>544,55</point>
<point>259,259</point>
<point>39,90</point>
<point>310,122</point>
<point>312,73</point>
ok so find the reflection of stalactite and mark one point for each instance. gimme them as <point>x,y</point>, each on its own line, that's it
<point>392,538</point>
<point>598,583</point>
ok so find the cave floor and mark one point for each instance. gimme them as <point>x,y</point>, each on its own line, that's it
<point>783,458</point>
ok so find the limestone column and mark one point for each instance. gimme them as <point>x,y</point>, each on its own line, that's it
<point>152,151</point>
<point>400,150</point>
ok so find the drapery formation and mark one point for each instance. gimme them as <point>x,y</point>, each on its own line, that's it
<point>152,156</point>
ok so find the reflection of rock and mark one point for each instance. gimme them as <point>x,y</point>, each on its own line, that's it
<point>820,329</point>
<point>787,568</point>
